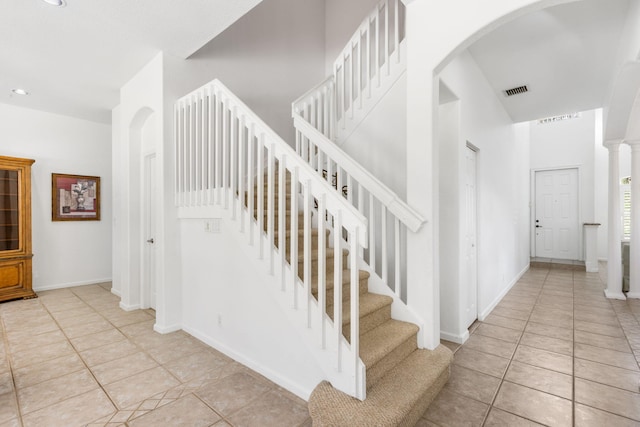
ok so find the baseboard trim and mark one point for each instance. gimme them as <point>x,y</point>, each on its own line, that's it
<point>70,285</point>
<point>116,292</point>
<point>614,295</point>
<point>633,295</point>
<point>126,307</point>
<point>485,313</point>
<point>456,338</point>
<point>166,329</point>
<point>283,382</point>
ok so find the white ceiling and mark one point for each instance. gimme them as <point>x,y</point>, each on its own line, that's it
<point>73,60</point>
<point>564,54</point>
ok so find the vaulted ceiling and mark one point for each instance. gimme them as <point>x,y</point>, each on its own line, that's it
<point>565,55</point>
<point>74,59</point>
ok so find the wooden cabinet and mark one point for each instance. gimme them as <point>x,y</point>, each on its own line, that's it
<point>15,228</point>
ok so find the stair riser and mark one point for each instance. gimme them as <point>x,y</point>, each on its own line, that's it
<point>314,241</point>
<point>368,322</point>
<point>363,287</point>
<point>314,265</point>
<point>384,365</point>
<point>265,199</point>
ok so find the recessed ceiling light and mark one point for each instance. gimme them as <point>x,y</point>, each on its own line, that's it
<point>19,91</point>
<point>59,3</point>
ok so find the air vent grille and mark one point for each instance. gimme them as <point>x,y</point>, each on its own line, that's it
<point>516,90</point>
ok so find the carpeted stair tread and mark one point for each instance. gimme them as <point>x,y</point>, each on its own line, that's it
<point>381,341</point>
<point>369,303</point>
<point>346,278</point>
<point>398,399</point>
<point>329,254</point>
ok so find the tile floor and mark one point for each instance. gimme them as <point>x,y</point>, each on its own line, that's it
<point>553,352</point>
<point>72,357</point>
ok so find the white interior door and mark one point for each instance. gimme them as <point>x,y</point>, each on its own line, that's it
<point>149,227</point>
<point>470,232</point>
<point>556,221</point>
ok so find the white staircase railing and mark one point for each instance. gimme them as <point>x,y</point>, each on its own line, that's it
<point>364,65</point>
<point>364,71</point>
<point>227,156</point>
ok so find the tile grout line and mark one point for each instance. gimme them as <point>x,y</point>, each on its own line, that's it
<point>78,353</point>
<point>573,352</point>
<point>504,374</point>
<point>9,359</point>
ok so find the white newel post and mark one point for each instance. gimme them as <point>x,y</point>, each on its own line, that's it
<point>634,261</point>
<point>614,263</point>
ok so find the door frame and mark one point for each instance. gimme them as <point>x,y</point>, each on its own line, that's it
<point>476,150</point>
<point>147,174</point>
<point>532,205</point>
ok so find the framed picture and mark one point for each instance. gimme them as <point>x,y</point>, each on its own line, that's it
<point>75,197</point>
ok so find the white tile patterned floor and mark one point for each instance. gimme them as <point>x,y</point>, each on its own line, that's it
<point>72,357</point>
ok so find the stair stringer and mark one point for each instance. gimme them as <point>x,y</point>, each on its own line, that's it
<point>292,304</point>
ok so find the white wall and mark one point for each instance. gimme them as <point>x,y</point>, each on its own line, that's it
<point>143,130</point>
<point>450,238</point>
<point>229,303</point>
<point>502,195</point>
<point>379,142</point>
<point>66,253</point>
<point>571,143</point>
<point>268,58</point>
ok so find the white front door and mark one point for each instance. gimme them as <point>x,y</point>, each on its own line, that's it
<point>556,220</point>
<point>470,225</point>
<point>149,227</point>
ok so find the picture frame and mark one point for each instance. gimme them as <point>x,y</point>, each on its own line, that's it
<point>75,197</point>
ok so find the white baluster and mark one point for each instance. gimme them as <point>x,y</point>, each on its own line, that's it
<point>271,206</point>
<point>226,113</point>
<point>282,210</point>
<point>218,148</point>
<point>386,37</point>
<point>210,146</point>
<point>260,175</point>
<point>355,299</point>
<point>191,159</point>
<point>233,139</point>
<point>241,169</point>
<point>398,283</point>
<point>307,248</point>
<point>372,233</point>
<point>294,234</point>
<point>383,244</point>
<point>337,288</point>
<point>251,182</point>
<point>396,4</point>
<point>368,59</point>
<point>377,30</point>
<point>322,269</point>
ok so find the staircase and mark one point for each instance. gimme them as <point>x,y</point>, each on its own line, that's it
<point>330,233</point>
<point>402,380</point>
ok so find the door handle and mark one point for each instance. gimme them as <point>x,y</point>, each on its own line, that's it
<point>150,240</point>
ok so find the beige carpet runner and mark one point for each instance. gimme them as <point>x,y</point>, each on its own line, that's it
<point>401,379</point>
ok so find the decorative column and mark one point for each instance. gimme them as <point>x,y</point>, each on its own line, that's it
<point>634,261</point>
<point>614,263</point>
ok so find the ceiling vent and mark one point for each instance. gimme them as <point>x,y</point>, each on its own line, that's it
<point>516,90</point>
